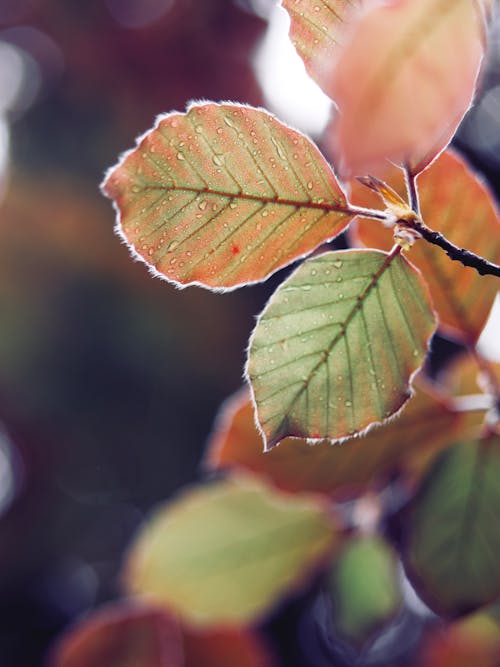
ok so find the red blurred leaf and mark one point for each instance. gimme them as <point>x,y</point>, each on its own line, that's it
<point>471,643</point>
<point>455,203</point>
<point>122,635</point>
<point>224,195</point>
<point>426,424</point>
<point>225,648</point>
<point>403,81</point>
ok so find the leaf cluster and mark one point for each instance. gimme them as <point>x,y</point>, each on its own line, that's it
<point>225,195</point>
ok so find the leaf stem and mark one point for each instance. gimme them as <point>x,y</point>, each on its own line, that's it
<point>372,213</point>
<point>412,190</point>
<point>472,403</point>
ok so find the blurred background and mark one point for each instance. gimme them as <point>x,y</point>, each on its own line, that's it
<point>110,379</point>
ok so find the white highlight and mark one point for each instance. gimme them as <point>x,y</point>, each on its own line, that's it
<point>288,90</point>
<point>489,343</point>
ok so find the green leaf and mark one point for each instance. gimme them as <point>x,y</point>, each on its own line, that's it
<point>364,587</point>
<point>226,553</point>
<point>336,346</point>
<point>224,195</point>
<point>454,541</point>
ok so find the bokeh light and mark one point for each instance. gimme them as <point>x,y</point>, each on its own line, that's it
<point>288,90</point>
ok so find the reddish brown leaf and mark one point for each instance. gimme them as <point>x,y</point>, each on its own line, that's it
<point>225,648</point>
<point>224,195</point>
<point>122,635</point>
<point>344,470</point>
<point>471,643</point>
<point>455,203</point>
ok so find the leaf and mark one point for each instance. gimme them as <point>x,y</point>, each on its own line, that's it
<point>226,553</point>
<point>317,30</point>
<point>426,424</point>
<point>473,641</point>
<point>364,588</point>
<point>453,538</point>
<point>223,196</point>
<point>403,82</point>
<point>334,350</point>
<point>122,635</point>
<point>455,203</point>
<point>225,648</point>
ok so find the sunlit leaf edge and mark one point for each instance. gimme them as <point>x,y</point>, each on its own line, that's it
<point>136,256</point>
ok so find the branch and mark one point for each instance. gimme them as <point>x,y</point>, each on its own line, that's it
<point>466,257</point>
<point>412,190</point>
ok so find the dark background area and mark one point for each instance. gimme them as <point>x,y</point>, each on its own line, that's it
<point>109,379</point>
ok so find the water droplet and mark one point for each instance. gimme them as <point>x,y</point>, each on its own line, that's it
<point>202,205</point>
<point>310,185</point>
<point>218,159</point>
<point>233,204</point>
<point>265,214</point>
<point>339,279</point>
<point>348,404</point>
<point>136,188</point>
<point>338,264</point>
<point>306,288</point>
<point>198,129</point>
<point>172,246</point>
<point>415,353</point>
<point>313,272</point>
<point>180,156</point>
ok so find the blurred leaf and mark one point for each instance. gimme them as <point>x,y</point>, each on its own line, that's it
<point>225,648</point>
<point>364,588</point>
<point>317,30</point>
<point>334,350</point>
<point>455,203</point>
<point>403,81</point>
<point>226,553</point>
<point>474,642</point>
<point>122,635</point>
<point>224,195</point>
<point>426,424</point>
<point>453,537</point>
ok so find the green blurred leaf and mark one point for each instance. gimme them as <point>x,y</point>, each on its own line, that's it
<point>364,588</point>
<point>224,195</point>
<point>336,346</point>
<point>226,553</point>
<point>453,544</point>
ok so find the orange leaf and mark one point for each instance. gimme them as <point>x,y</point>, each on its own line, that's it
<point>343,470</point>
<point>475,641</point>
<point>224,648</point>
<point>224,195</point>
<point>403,81</point>
<point>122,635</point>
<point>455,203</point>
<point>317,30</point>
